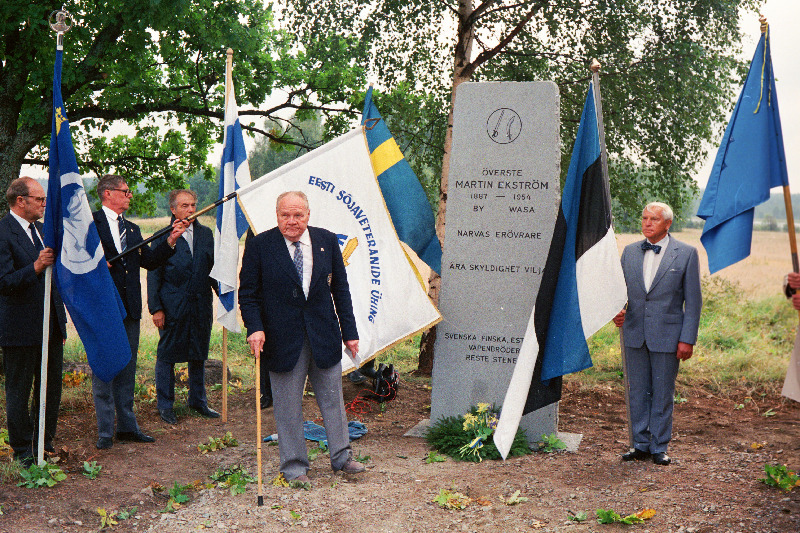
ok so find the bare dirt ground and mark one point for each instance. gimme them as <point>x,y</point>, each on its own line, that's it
<point>719,453</point>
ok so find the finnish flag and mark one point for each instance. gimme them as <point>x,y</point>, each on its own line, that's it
<point>234,173</point>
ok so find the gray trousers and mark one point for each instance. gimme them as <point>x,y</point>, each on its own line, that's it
<point>117,395</point>
<point>651,376</point>
<point>287,394</point>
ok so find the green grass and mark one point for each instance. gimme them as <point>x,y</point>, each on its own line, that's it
<point>742,342</point>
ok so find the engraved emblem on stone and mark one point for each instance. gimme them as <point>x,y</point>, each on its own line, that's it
<point>60,21</point>
<point>504,125</point>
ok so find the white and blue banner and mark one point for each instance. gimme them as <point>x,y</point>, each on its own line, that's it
<point>234,172</point>
<point>82,276</point>
<point>389,300</point>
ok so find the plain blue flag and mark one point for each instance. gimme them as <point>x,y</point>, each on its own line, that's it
<point>82,276</point>
<point>750,161</point>
<point>405,198</point>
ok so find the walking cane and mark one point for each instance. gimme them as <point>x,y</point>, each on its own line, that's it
<point>258,429</point>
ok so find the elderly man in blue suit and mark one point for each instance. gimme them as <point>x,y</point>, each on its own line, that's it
<point>296,306</point>
<point>660,328</point>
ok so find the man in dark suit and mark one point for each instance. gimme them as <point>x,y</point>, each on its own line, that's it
<point>660,328</point>
<point>179,296</point>
<point>292,287</point>
<point>118,234</point>
<point>23,259</point>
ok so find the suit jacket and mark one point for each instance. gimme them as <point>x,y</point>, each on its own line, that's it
<point>271,299</point>
<point>125,271</point>
<point>183,289</point>
<point>670,311</point>
<point>22,290</point>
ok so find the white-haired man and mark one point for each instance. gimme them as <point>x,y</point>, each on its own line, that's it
<point>660,328</point>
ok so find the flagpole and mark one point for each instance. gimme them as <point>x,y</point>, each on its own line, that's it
<point>598,104</point>
<point>59,23</point>
<point>228,85</point>
<point>258,429</point>
<point>48,282</point>
<point>168,229</point>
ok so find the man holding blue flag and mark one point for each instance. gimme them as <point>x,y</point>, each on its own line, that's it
<point>83,279</point>
<point>23,259</point>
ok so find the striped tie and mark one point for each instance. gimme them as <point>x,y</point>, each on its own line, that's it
<point>123,239</point>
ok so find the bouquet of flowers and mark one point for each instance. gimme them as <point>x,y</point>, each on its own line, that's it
<point>469,437</point>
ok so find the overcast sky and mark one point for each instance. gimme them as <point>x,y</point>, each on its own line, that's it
<point>784,19</point>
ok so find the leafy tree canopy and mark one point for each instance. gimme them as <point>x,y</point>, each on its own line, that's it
<point>158,67</point>
<point>669,72</point>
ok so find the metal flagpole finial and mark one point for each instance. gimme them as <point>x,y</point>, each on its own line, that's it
<point>763,20</point>
<point>595,66</point>
<point>61,22</point>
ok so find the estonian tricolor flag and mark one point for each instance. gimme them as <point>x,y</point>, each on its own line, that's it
<point>82,276</point>
<point>582,286</point>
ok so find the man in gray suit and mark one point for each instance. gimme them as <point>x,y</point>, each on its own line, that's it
<point>659,326</point>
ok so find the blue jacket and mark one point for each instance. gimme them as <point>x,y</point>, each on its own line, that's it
<point>670,311</point>
<point>271,300</point>
<point>182,289</point>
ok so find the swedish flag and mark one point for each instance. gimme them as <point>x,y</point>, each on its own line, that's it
<point>405,198</point>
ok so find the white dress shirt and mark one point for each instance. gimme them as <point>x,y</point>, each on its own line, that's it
<point>308,258</point>
<point>113,225</point>
<point>652,260</point>
<point>26,226</point>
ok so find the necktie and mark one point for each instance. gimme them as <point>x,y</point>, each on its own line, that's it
<point>123,239</point>
<point>298,260</point>
<point>647,246</point>
<point>189,239</point>
<point>35,236</point>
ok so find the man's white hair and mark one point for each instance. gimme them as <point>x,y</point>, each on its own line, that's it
<point>666,211</point>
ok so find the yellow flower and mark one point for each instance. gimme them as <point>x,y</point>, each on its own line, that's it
<point>483,407</point>
<point>470,421</point>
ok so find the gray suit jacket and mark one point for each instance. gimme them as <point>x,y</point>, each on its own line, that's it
<point>670,312</point>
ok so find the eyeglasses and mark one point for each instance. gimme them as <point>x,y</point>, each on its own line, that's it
<point>126,192</point>
<point>40,199</point>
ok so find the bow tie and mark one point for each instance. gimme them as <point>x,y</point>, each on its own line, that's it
<point>647,246</point>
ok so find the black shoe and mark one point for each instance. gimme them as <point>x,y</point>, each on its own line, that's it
<point>266,402</point>
<point>635,455</point>
<point>356,377</point>
<point>206,411</point>
<point>134,436</point>
<point>168,416</point>
<point>661,458</point>
<point>104,443</point>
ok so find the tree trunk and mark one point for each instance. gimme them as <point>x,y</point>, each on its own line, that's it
<point>463,51</point>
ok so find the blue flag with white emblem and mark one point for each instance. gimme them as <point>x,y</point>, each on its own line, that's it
<point>750,162</point>
<point>234,172</point>
<point>82,276</point>
<point>405,198</point>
